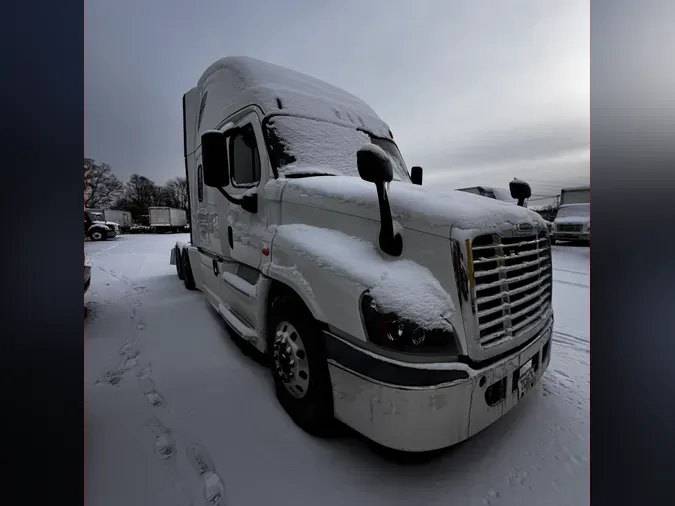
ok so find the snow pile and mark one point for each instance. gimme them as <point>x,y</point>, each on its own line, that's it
<point>234,80</point>
<point>399,286</point>
<point>413,205</point>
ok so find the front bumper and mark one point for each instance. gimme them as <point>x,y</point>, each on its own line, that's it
<point>430,417</point>
<point>571,236</point>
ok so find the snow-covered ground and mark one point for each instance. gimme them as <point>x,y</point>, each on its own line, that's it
<point>177,414</point>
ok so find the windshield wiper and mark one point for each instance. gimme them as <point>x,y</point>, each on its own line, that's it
<point>300,175</point>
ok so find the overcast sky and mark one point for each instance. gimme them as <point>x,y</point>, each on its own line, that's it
<point>475,91</point>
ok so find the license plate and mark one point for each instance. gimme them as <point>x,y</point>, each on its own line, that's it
<point>527,378</point>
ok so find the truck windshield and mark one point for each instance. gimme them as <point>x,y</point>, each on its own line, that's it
<point>574,210</point>
<point>575,196</point>
<point>306,147</point>
<point>96,217</point>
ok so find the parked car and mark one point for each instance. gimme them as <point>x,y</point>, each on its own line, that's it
<point>572,223</point>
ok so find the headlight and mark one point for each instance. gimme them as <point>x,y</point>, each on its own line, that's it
<point>394,333</point>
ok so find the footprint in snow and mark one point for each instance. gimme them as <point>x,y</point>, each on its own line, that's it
<point>150,391</point>
<point>214,489</point>
<point>165,445</point>
<point>111,378</point>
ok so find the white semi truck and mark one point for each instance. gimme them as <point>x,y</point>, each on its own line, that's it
<point>418,318</point>
<point>167,219</point>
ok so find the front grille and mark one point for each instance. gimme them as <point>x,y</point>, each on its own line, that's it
<point>513,284</point>
<point>569,228</point>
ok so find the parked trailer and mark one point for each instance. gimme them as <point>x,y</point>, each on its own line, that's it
<point>167,219</point>
<point>416,317</point>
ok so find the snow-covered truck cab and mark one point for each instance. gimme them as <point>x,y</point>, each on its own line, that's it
<point>416,317</point>
<point>97,228</point>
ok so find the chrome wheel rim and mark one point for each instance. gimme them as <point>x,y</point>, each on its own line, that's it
<point>290,359</point>
<point>97,236</point>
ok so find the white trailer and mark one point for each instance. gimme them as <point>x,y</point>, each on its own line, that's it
<point>416,317</point>
<point>122,218</point>
<point>167,219</point>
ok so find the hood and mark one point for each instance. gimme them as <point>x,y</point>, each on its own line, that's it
<point>414,207</point>
<point>573,220</point>
<point>107,223</point>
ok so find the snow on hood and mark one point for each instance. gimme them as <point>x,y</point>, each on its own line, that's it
<point>400,286</point>
<point>415,207</point>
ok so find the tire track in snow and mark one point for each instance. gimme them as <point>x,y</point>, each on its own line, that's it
<point>576,342</point>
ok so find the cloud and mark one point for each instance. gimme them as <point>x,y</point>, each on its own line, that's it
<point>462,84</point>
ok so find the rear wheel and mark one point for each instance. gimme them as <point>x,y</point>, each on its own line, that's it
<point>188,278</point>
<point>299,366</point>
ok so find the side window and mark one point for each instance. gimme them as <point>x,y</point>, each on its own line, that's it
<point>200,183</point>
<point>201,110</point>
<point>244,158</point>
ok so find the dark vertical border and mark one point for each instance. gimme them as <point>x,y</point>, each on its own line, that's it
<point>633,273</point>
<point>42,253</point>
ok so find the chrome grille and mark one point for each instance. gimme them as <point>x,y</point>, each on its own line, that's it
<point>569,228</point>
<point>513,284</point>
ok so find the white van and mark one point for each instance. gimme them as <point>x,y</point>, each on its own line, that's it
<point>417,318</point>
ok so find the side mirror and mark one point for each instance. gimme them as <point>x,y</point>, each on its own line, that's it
<point>375,167</point>
<point>416,175</point>
<point>214,159</point>
<point>520,191</point>
<point>374,164</point>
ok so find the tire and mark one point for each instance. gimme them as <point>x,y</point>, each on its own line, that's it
<point>97,235</point>
<point>308,400</point>
<point>179,264</point>
<point>188,278</point>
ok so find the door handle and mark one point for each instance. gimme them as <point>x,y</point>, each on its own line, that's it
<point>230,237</point>
<point>215,267</point>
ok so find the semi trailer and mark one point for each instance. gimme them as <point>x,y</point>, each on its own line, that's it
<point>167,219</point>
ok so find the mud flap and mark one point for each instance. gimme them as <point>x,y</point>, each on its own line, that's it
<point>172,260</point>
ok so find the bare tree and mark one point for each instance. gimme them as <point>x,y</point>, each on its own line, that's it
<point>101,186</point>
<point>139,194</point>
<point>175,193</point>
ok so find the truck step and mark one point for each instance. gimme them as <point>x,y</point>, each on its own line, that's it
<point>243,329</point>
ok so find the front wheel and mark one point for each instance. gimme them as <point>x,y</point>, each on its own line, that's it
<point>97,235</point>
<point>299,367</point>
